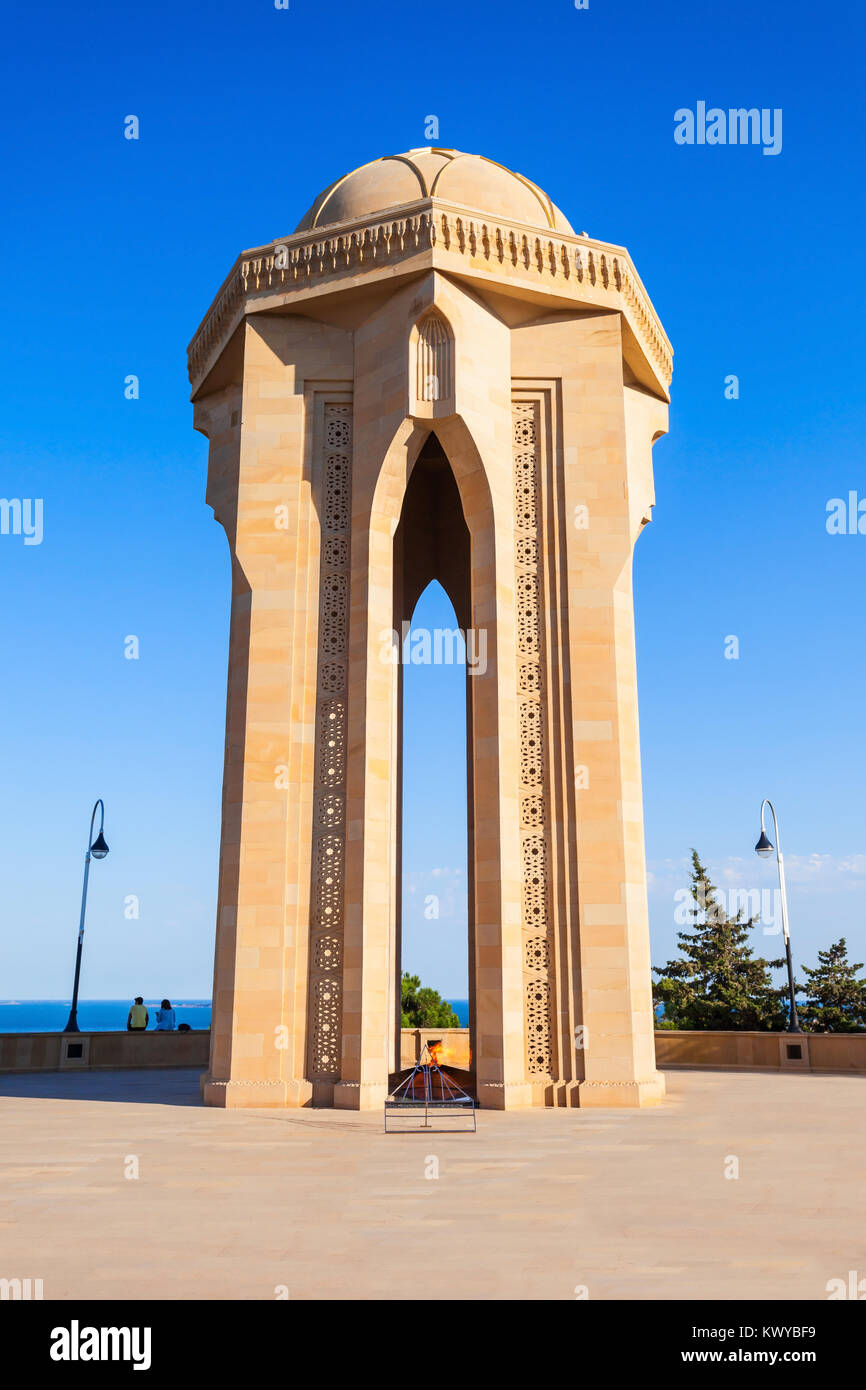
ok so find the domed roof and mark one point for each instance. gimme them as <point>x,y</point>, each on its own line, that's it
<point>468,179</point>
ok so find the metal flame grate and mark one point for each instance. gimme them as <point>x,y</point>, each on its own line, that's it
<point>429,1094</point>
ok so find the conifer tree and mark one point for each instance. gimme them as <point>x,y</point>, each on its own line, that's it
<point>423,1007</point>
<point>836,998</point>
<point>718,982</point>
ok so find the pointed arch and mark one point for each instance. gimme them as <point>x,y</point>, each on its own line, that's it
<point>373,868</point>
<point>435,823</point>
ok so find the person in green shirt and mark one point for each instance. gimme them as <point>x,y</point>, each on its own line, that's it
<point>138,1017</point>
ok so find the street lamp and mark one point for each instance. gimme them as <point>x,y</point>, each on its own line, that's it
<point>764,848</point>
<point>96,849</point>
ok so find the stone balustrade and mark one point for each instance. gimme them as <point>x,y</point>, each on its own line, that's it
<point>576,267</point>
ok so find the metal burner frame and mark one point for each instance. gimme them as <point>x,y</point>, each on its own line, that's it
<point>452,1102</point>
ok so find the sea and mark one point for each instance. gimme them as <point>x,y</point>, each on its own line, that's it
<point>461,1008</point>
<point>94,1015</point>
<point>109,1015</point>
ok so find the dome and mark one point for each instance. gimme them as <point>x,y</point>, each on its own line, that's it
<point>468,179</point>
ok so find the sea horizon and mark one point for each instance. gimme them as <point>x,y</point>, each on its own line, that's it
<point>109,1015</point>
<point>94,1015</point>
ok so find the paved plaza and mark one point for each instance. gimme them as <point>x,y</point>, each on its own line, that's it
<point>631,1204</point>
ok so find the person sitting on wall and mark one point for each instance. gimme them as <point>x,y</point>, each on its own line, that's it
<point>165,1022</point>
<point>138,1017</point>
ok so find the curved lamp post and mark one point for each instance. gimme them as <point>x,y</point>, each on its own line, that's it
<point>96,849</point>
<point>764,848</point>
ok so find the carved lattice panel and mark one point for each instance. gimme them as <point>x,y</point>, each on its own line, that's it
<point>529,678</point>
<point>332,677</point>
<point>526,551</point>
<point>534,859</point>
<point>338,427</point>
<point>328,954</point>
<point>529,615</point>
<point>538,1049</point>
<point>326,1017</point>
<point>536,951</point>
<point>525,427</point>
<point>328,901</point>
<point>329,810</point>
<point>337,513</point>
<point>334,628</point>
<point>329,849</point>
<point>531,744</point>
<point>534,856</point>
<point>526,490</point>
<point>332,743</point>
<point>534,906</point>
<point>336,552</point>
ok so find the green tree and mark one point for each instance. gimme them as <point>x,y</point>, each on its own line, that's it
<point>836,998</point>
<point>424,1008</point>
<point>718,983</point>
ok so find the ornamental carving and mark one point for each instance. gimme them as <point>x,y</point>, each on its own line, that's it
<point>535,892</point>
<point>329,842</point>
<point>434,359</point>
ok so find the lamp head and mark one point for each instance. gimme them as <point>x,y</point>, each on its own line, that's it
<point>764,847</point>
<point>99,848</point>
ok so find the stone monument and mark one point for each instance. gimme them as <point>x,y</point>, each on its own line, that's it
<point>434,376</point>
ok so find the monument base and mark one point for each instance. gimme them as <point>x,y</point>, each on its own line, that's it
<point>255,1095</point>
<point>360,1095</point>
<point>615,1094</point>
<point>507,1095</point>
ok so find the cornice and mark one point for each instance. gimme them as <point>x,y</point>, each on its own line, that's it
<point>430,234</point>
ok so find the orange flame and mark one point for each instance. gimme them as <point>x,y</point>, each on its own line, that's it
<point>450,1052</point>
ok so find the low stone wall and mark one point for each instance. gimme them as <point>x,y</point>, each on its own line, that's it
<point>816,1052</point>
<point>92,1051</point>
<point>839,1052</point>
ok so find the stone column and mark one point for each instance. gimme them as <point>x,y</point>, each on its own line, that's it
<point>260,495</point>
<point>616,1005</point>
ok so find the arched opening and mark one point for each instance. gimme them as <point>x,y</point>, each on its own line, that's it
<point>434,908</point>
<point>432,612</point>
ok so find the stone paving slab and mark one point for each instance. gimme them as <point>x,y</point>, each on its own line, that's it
<point>232,1204</point>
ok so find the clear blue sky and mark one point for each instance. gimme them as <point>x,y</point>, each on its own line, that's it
<point>113,250</point>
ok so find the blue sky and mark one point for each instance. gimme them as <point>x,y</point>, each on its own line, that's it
<point>113,250</point>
